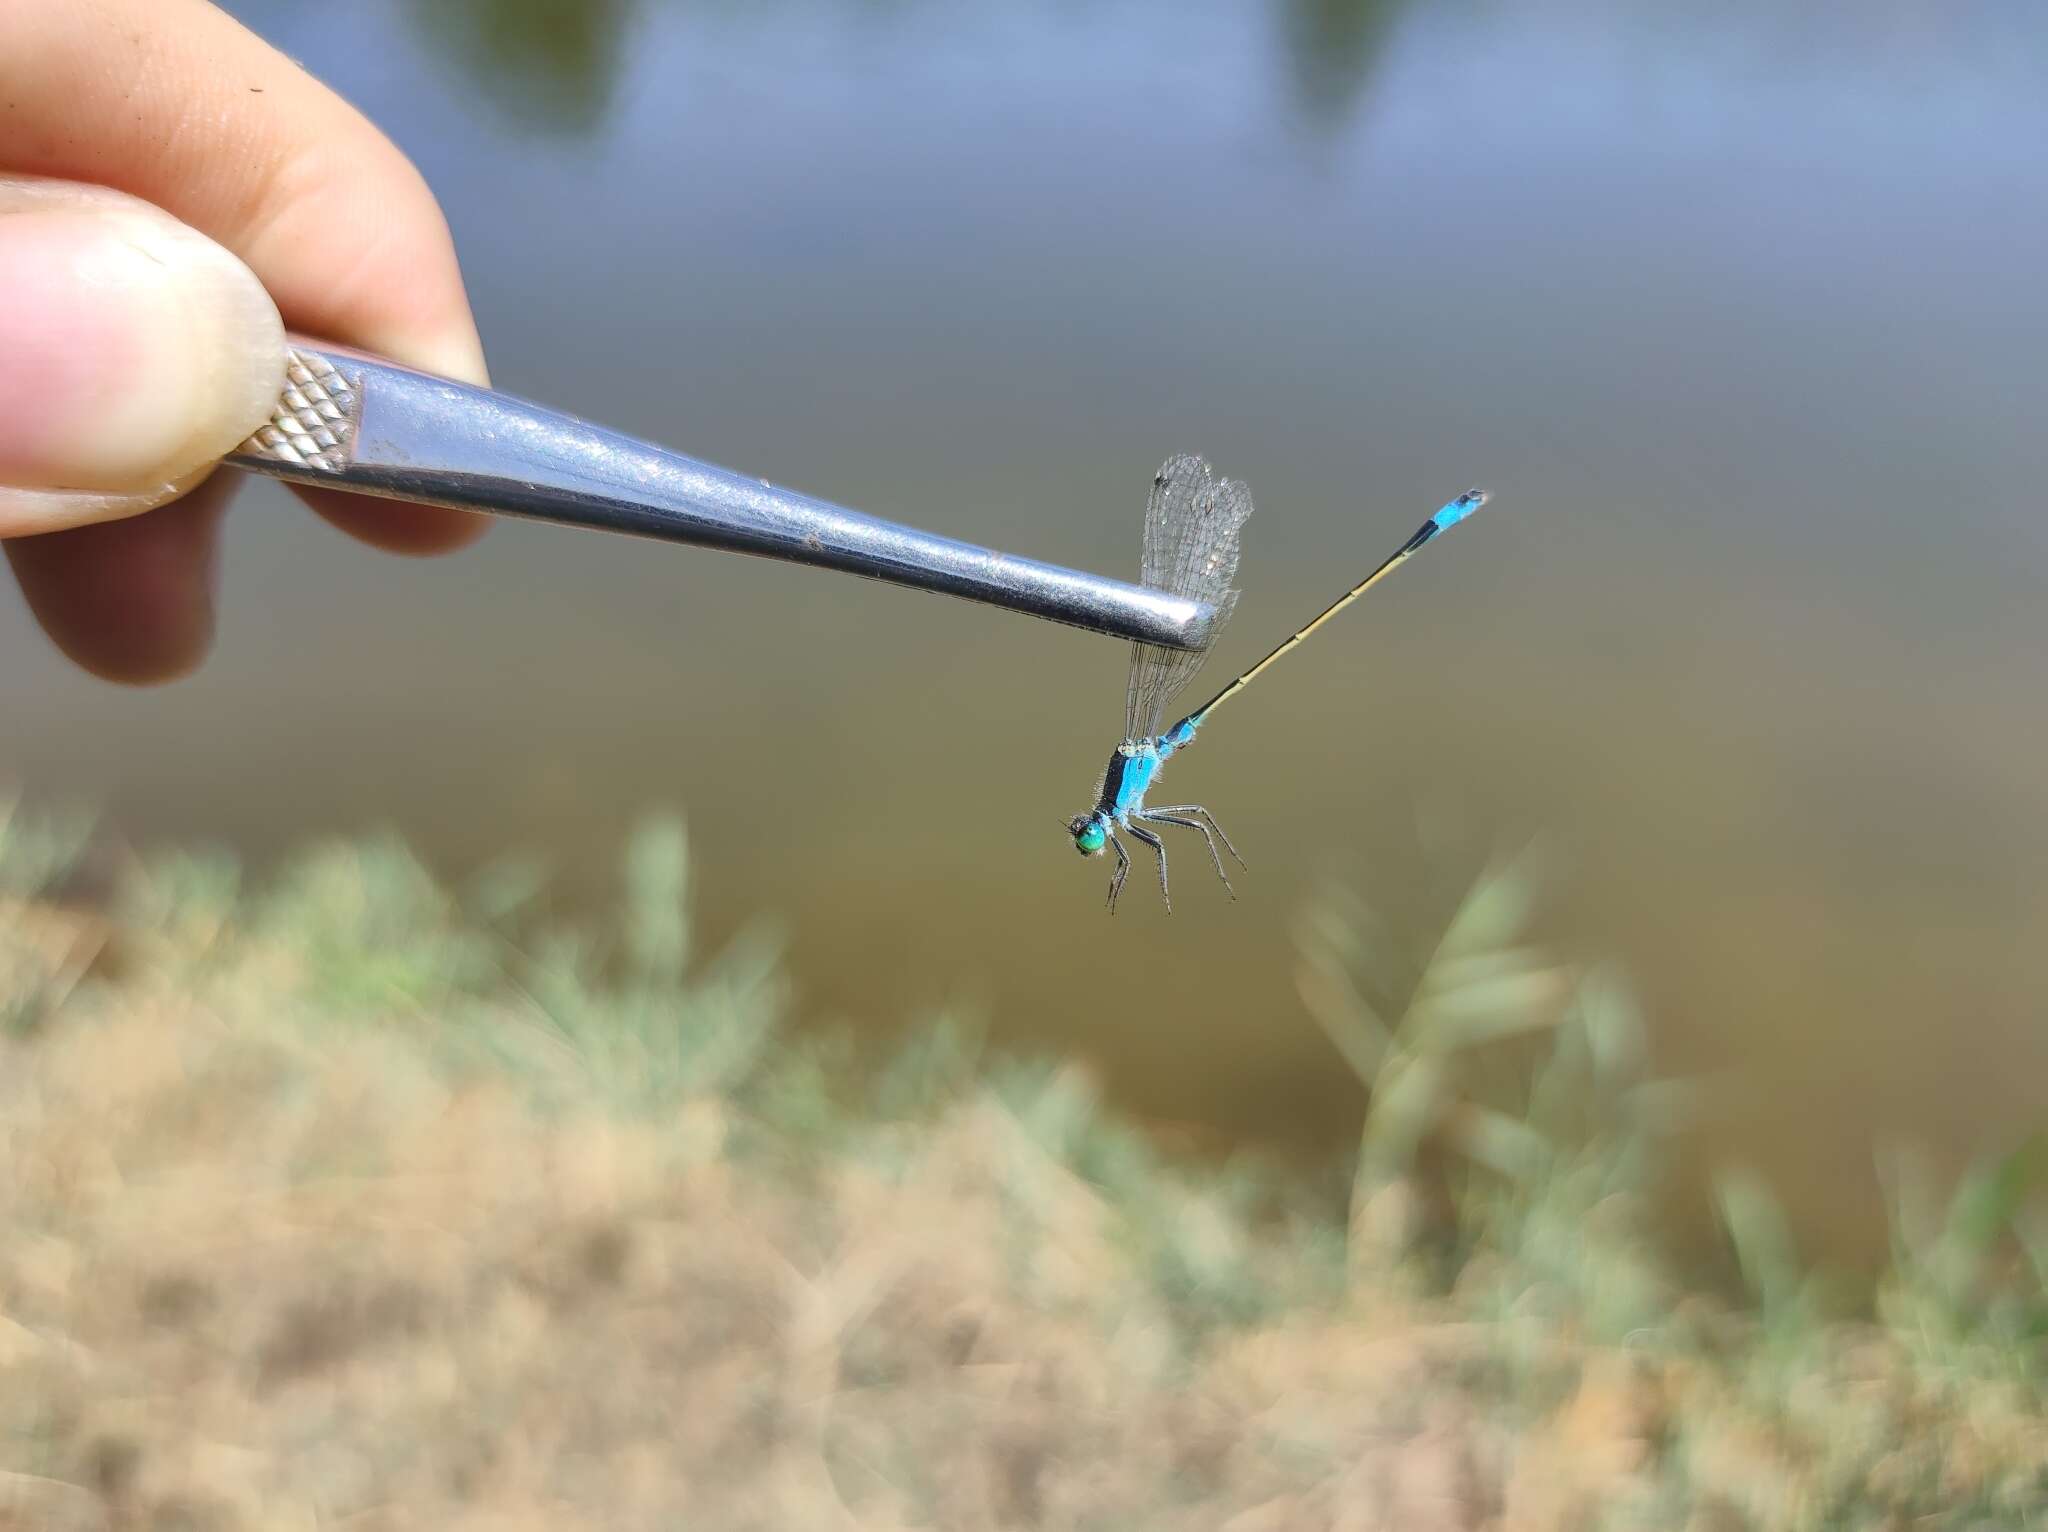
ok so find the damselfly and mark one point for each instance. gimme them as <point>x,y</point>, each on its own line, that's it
<point>1191,533</point>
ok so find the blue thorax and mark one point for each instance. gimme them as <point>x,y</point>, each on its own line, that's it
<point>1135,767</point>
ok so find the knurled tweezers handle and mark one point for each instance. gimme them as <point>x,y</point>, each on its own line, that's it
<point>355,422</point>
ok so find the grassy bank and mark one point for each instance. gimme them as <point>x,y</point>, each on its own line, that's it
<point>354,1201</point>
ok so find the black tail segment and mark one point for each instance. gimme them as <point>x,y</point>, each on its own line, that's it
<point>1423,534</point>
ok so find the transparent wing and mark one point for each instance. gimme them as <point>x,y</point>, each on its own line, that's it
<point>1191,535</point>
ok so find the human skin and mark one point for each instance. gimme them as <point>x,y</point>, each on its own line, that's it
<point>174,195</point>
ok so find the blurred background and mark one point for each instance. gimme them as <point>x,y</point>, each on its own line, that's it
<point>1735,307</point>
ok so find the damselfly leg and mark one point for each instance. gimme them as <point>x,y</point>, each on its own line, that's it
<point>1196,811</point>
<point>1123,870</point>
<point>1193,817</point>
<point>1159,850</point>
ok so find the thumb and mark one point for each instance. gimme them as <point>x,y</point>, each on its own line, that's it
<point>134,352</point>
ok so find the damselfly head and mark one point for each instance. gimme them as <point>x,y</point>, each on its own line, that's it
<point>1088,834</point>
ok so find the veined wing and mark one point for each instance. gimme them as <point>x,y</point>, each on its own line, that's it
<point>1192,524</point>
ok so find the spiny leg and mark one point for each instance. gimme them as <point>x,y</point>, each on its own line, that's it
<point>1167,817</point>
<point>1159,850</point>
<point>1208,818</point>
<point>1174,816</point>
<point>1123,870</point>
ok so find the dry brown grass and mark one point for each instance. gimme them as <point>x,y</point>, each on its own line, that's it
<point>279,1251</point>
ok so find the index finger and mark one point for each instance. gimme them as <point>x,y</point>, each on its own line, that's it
<point>179,104</point>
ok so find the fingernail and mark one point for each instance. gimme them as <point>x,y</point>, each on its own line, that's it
<point>133,350</point>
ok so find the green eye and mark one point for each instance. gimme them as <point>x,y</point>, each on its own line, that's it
<point>1088,839</point>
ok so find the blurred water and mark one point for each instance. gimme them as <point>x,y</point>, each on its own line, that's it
<point>1735,307</point>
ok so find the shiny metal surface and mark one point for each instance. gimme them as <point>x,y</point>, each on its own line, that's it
<point>358,423</point>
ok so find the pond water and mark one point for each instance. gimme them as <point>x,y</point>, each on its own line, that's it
<point>1736,308</point>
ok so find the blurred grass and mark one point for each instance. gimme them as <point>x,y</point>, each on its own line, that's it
<point>354,1200</point>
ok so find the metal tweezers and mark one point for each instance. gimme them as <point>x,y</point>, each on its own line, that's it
<point>354,422</point>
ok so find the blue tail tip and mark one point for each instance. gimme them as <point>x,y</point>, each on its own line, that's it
<point>1460,508</point>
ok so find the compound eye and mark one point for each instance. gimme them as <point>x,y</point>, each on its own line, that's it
<point>1088,839</point>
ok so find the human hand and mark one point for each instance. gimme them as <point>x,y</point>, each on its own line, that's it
<point>173,193</point>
